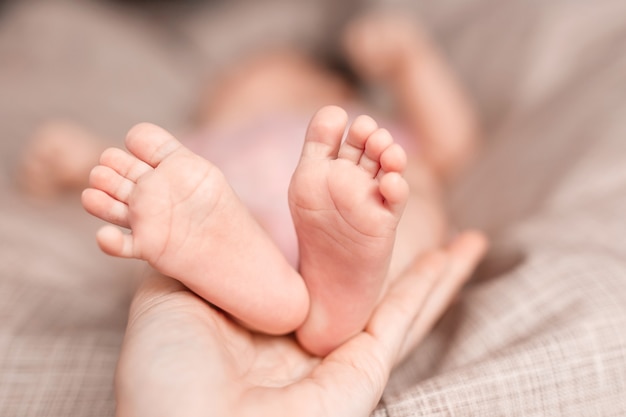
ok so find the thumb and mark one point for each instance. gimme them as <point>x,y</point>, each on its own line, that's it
<point>354,376</point>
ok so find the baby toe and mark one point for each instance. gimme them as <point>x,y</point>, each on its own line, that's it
<point>358,133</point>
<point>124,164</point>
<point>108,180</point>
<point>376,144</point>
<point>115,243</point>
<point>395,191</point>
<point>100,204</point>
<point>393,159</point>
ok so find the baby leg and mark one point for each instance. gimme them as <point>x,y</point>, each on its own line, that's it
<point>187,223</point>
<point>393,51</point>
<point>346,201</point>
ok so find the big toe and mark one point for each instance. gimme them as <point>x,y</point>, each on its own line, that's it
<point>151,143</point>
<point>325,133</point>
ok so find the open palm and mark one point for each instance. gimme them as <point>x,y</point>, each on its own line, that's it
<point>181,356</point>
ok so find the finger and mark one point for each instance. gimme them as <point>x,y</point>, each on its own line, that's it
<point>352,378</point>
<point>172,327</point>
<point>404,301</point>
<point>464,254</point>
<point>366,360</point>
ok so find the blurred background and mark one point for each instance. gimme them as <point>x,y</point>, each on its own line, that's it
<point>107,64</point>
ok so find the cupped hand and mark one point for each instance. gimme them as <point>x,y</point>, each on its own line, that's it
<point>183,357</point>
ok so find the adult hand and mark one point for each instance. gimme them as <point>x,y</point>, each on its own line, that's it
<point>182,357</point>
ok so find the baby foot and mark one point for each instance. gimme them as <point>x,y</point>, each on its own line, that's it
<point>346,200</point>
<point>58,159</point>
<point>381,47</point>
<point>395,53</point>
<point>187,223</point>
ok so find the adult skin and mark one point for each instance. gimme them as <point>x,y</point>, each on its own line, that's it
<point>183,357</point>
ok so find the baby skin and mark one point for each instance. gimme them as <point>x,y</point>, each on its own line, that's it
<point>346,198</point>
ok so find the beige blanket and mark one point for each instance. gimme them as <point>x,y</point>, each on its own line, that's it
<point>540,331</point>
